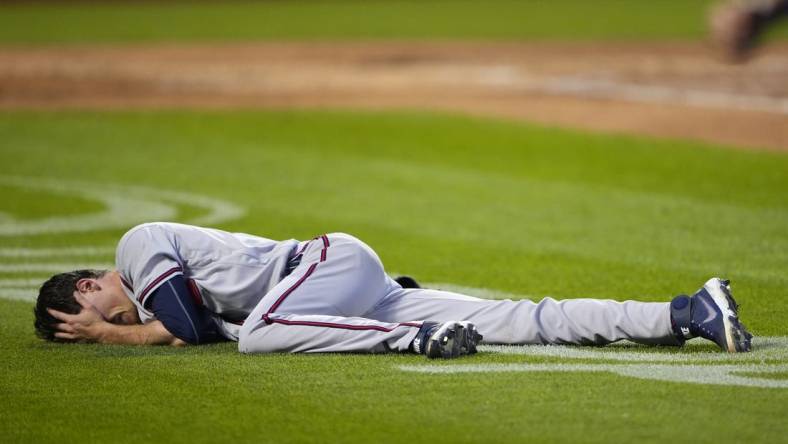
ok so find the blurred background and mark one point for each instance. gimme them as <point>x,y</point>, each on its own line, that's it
<point>705,70</point>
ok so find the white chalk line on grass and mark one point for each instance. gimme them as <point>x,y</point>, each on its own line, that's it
<point>26,289</point>
<point>52,267</point>
<point>120,209</point>
<point>20,294</point>
<point>763,348</point>
<point>20,253</point>
<point>20,283</point>
<point>696,374</point>
<point>125,205</point>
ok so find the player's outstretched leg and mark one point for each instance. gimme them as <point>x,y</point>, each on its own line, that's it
<point>446,340</point>
<point>711,313</point>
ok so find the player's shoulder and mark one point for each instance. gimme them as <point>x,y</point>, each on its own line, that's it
<point>158,232</point>
<point>144,234</point>
<point>147,227</point>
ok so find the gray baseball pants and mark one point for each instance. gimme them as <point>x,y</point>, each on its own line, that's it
<point>339,299</point>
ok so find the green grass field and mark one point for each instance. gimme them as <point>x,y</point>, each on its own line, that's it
<point>354,19</point>
<point>477,203</point>
<point>491,207</point>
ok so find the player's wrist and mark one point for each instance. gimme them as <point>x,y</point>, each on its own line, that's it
<point>102,332</point>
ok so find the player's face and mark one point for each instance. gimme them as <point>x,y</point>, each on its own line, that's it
<point>108,297</point>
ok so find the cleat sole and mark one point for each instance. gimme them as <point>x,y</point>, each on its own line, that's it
<point>453,339</point>
<point>737,338</point>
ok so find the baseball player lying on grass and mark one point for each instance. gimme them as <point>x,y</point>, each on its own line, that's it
<point>178,284</point>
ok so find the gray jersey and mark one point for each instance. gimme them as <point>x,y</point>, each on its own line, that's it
<point>228,273</point>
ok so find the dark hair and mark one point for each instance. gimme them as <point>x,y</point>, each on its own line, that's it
<point>58,293</point>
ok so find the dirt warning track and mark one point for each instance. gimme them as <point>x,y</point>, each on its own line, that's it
<point>666,90</point>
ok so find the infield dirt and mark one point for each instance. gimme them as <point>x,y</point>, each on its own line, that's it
<point>660,89</point>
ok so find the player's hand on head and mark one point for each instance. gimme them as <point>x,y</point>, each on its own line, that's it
<point>85,326</point>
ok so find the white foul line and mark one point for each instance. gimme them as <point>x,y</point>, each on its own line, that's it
<point>57,252</point>
<point>52,267</point>
<point>124,206</point>
<point>20,283</point>
<point>763,348</point>
<point>19,294</point>
<point>697,374</point>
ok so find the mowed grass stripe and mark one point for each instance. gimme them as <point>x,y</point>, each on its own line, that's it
<point>474,202</point>
<point>71,22</point>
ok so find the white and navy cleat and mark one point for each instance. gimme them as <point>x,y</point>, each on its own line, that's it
<point>446,340</point>
<point>713,314</point>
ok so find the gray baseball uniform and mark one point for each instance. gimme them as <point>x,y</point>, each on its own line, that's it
<point>331,294</point>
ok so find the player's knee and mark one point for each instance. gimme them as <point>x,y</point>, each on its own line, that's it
<point>244,339</point>
<point>354,246</point>
<point>256,339</point>
<point>348,240</point>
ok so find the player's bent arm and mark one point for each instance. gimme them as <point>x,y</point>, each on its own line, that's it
<point>152,333</point>
<point>89,326</point>
<point>181,314</point>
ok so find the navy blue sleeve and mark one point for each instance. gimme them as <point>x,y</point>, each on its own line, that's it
<point>173,305</point>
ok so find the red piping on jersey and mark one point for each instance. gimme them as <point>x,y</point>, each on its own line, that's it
<point>342,326</point>
<point>156,281</point>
